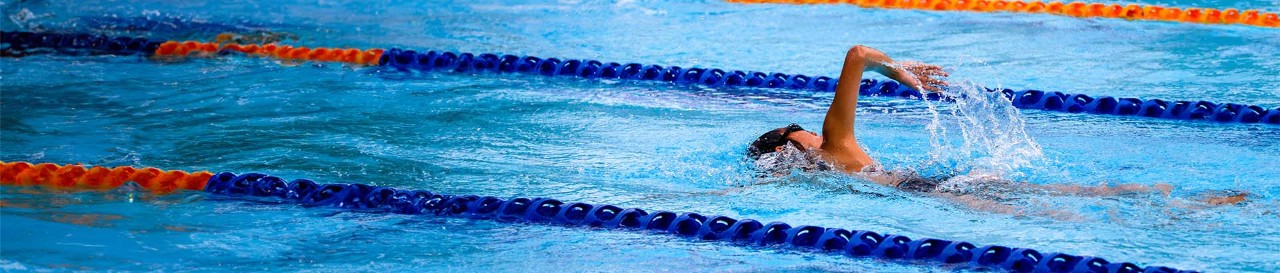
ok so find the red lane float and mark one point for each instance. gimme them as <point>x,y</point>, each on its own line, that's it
<point>76,176</point>
<point>1072,9</point>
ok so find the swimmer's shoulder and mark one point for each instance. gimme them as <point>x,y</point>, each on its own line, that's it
<point>850,159</point>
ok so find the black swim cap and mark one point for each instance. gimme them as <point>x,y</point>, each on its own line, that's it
<point>769,141</point>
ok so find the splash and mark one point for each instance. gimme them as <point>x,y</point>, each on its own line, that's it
<point>790,159</point>
<point>992,136</point>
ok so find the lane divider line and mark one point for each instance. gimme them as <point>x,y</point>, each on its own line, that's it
<point>410,60</point>
<point>1131,12</point>
<point>368,198</point>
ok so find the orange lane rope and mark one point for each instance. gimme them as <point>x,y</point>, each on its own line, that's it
<point>272,50</point>
<point>1073,9</point>
<point>75,176</point>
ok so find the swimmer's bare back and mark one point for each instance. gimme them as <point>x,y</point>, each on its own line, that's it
<point>840,144</point>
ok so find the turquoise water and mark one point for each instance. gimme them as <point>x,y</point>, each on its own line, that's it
<point>647,145</point>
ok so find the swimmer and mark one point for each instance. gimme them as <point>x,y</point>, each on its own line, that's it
<point>837,148</point>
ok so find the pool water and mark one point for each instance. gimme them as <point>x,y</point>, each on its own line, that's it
<point>632,144</point>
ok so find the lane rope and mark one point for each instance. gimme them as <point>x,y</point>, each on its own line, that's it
<point>719,78</point>
<point>1132,12</point>
<point>368,198</point>
<point>75,176</point>
<point>275,51</point>
<point>410,60</point>
<point>181,49</point>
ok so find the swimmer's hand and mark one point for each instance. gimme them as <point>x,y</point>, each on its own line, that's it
<point>915,74</point>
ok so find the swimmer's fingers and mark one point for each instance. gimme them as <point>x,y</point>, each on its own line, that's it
<point>920,65</point>
<point>928,75</point>
<point>928,70</point>
<point>918,75</point>
<point>934,70</point>
<point>931,80</point>
<point>913,65</point>
<point>927,83</point>
<point>932,84</point>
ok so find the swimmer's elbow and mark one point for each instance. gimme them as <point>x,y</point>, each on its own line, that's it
<point>856,52</point>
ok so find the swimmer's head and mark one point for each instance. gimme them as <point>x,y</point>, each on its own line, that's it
<point>775,140</point>
<point>780,151</point>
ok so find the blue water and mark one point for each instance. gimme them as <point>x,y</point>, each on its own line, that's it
<point>647,145</point>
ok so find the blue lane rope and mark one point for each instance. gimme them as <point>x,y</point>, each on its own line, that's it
<point>78,41</point>
<point>406,60</point>
<point>855,243</point>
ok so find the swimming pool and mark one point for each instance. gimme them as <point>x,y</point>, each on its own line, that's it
<point>647,145</point>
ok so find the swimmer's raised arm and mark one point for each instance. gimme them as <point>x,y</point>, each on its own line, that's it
<point>837,128</point>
